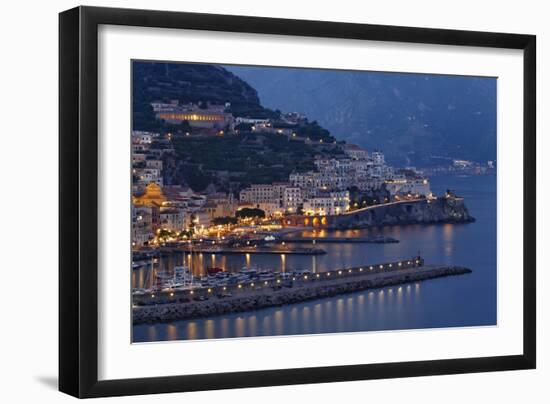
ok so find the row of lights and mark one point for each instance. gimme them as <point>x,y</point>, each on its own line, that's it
<point>240,285</point>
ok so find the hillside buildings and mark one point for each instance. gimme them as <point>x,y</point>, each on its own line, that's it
<point>324,190</point>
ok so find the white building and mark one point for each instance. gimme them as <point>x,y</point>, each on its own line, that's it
<point>327,203</point>
<point>275,198</point>
<point>140,137</point>
<point>153,163</point>
<point>142,225</point>
<point>404,187</point>
<point>257,193</point>
<point>356,152</point>
<point>251,121</point>
<point>148,175</point>
<point>171,219</point>
<point>378,158</point>
<point>311,181</point>
<point>292,199</point>
<point>201,218</point>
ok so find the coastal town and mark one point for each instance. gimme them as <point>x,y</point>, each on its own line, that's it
<point>343,178</point>
<point>237,207</point>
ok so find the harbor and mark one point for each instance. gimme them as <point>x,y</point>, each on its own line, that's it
<point>446,301</point>
<point>255,291</point>
<point>250,221</point>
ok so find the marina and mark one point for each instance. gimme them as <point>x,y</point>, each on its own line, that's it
<point>445,301</point>
<point>259,210</point>
<point>253,292</point>
<point>181,284</point>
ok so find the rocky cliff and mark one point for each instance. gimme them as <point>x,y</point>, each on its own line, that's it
<point>441,210</point>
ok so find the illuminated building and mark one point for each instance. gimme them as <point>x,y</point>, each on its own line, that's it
<point>213,116</point>
<point>403,186</point>
<point>327,203</point>
<point>152,196</point>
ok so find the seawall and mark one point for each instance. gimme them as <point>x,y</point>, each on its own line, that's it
<point>287,295</point>
<point>418,211</point>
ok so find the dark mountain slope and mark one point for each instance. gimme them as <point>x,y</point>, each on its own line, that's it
<point>411,117</point>
<point>188,82</point>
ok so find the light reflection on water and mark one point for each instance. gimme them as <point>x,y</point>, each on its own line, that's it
<point>455,301</point>
<point>431,241</point>
<point>321,316</point>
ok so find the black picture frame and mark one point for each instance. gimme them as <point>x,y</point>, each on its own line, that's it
<point>78,201</point>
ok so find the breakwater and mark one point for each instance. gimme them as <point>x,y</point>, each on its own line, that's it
<point>170,307</point>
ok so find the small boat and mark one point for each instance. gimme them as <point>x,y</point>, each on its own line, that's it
<point>141,291</point>
<point>182,278</point>
<point>213,270</point>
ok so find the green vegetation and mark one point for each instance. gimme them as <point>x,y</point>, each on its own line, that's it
<point>362,199</point>
<point>233,161</point>
<point>249,158</point>
<point>250,213</point>
<point>315,132</point>
<point>165,235</point>
<point>188,83</point>
<point>250,110</point>
<point>224,220</point>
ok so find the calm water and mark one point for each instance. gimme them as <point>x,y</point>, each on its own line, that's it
<point>468,300</point>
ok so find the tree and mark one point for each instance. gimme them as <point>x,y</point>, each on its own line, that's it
<point>250,213</point>
<point>223,220</point>
<point>314,131</point>
<point>196,178</point>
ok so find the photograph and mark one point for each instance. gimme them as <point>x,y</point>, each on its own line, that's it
<point>274,201</point>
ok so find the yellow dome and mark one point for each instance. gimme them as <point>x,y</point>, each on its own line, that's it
<point>153,195</point>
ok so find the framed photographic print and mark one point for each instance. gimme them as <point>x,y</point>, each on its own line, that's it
<point>250,201</point>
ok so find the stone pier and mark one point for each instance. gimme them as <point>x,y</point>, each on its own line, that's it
<point>314,287</point>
